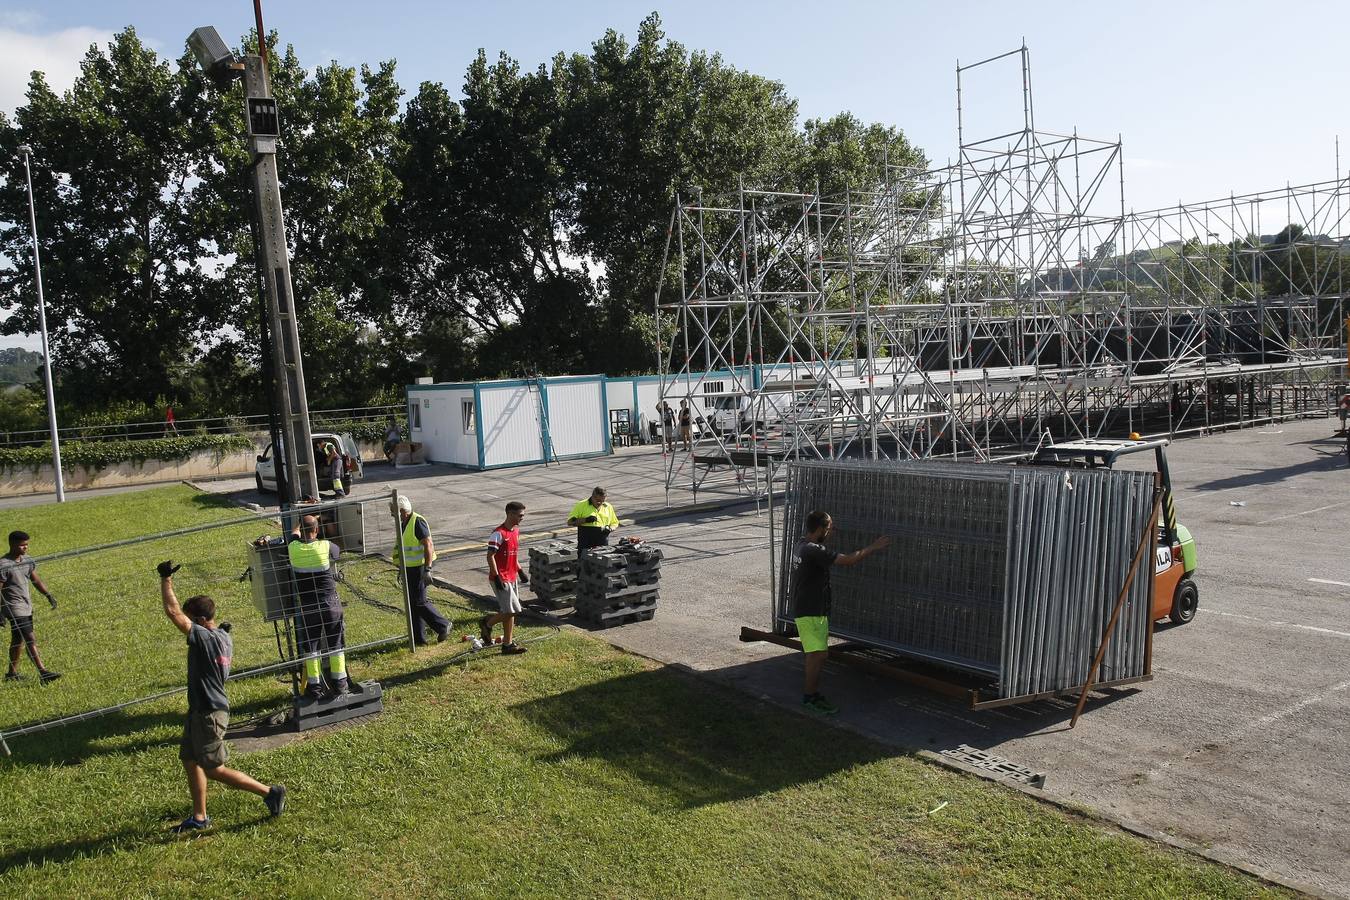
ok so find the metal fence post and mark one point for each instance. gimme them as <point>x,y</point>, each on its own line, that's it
<point>402,569</point>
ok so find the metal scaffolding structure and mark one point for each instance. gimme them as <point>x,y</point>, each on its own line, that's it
<point>979,308</point>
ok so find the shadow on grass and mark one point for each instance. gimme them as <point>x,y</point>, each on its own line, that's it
<point>132,836</point>
<point>117,734</point>
<point>694,742</point>
<point>204,500</point>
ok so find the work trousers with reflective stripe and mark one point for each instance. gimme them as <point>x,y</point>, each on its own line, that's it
<point>424,613</point>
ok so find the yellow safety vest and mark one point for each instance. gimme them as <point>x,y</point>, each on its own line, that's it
<point>309,556</point>
<point>412,548</point>
<point>604,514</point>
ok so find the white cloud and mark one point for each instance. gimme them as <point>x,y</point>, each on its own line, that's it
<point>57,55</point>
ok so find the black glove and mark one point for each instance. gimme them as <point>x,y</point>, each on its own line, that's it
<point>224,626</point>
<point>497,582</point>
<point>606,530</point>
<point>589,519</point>
<point>167,568</point>
<point>524,579</point>
<point>51,600</point>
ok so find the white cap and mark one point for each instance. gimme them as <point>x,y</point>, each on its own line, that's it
<point>404,505</point>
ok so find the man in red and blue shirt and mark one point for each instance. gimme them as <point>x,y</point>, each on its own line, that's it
<point>505,576</point>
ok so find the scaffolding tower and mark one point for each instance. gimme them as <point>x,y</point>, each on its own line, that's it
<point>980,308</point>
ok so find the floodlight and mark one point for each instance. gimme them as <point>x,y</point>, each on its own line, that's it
<point>214,56</point>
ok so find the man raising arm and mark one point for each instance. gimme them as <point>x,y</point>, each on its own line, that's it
<point>203,750</point>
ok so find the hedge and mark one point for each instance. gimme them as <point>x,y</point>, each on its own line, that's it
<point>101,454</point>
<point>369,431</point>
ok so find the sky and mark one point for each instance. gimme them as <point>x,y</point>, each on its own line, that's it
<point>1207,97</point>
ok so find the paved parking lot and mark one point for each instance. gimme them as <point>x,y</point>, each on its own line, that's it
<point>1241,744</point>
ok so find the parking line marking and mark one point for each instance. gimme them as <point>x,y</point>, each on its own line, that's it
<point>1299,706</point>
<point>1329,581</point>
<point>1344,634</point>
<point>1304,513</point>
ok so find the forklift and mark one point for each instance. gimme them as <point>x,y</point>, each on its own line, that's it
<point>1175,594</point>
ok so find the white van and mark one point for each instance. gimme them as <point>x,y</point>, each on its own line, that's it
<point>265,471</point>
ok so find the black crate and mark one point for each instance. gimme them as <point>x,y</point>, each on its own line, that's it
<point>608,617</point>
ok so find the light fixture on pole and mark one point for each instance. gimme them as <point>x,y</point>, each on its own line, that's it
<point>27,151</point>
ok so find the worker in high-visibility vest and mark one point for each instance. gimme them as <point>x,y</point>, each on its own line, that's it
<point>417,553</point>
<point>594,520</point>
<point>321,629</point>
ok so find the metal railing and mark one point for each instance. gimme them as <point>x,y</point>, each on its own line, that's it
<point>131,431</point>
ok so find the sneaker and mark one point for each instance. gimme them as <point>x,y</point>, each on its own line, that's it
<point>276,800</point>
<point>48,676</point>
<point>191,825</point>
<point>443,636</point>
<point>14,676</point>
<point>513,649</point>
<point>316,693</point>
<point>818,703</point>
<point>485,630</point>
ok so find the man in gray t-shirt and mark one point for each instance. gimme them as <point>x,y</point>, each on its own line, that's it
<point>17,569</point>
<point>203,749</point>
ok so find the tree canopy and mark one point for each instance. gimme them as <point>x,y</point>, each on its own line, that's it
<point>516,229</point>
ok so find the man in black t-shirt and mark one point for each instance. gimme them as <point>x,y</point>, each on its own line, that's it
<point>203,749</point>
<point>686,426</point>
<point>809,590</point>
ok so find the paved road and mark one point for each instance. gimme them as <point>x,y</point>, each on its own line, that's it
<point>1240,745</point>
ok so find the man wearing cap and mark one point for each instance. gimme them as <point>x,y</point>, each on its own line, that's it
<point>594,520</point>
<point>417,553</point>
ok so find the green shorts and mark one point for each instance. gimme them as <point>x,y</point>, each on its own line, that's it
<point>204,738</point>
<point>814,632</point>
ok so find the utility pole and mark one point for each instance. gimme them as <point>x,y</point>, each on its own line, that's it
<point>296,448</point>
<point>292,446</point>
<point>27,151</point>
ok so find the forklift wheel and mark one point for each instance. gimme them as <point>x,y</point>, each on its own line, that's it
<point>1185,602</point>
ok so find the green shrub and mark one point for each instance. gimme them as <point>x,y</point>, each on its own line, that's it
<point>363,430</point>
<point>100,454</point>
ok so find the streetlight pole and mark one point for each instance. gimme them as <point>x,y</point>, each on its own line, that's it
<point>27,151</point>
<point>295,450</point>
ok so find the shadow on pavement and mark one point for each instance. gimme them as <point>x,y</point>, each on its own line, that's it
<point>1271,476</point>
<point>909,716</point>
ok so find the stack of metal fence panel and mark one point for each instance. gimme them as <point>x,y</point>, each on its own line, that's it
<point>1009,572</point>
<point>553,572</point>
<point>617,585</point>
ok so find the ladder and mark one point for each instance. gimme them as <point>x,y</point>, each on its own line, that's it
<point>536,383</point>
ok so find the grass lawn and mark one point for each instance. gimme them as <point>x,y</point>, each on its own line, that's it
<point>574,770</point>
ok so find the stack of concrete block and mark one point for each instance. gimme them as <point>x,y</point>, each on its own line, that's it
<point>617,585</point>
<point>553,573</point>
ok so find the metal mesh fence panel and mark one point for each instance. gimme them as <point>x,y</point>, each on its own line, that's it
<point>115,647</point>
<point>1001,571</point>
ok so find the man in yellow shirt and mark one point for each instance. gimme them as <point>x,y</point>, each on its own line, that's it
<point>594,520</point>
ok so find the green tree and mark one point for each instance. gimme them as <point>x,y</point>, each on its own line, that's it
<point>115,164</point>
